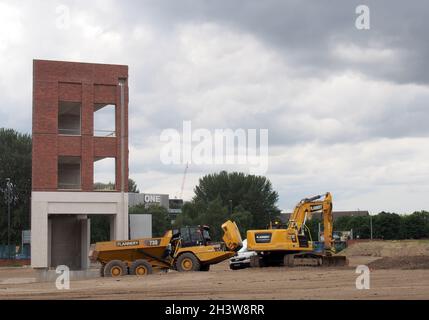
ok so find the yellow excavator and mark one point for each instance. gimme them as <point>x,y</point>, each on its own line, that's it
<point>291,245</point>
<point>184,249</point>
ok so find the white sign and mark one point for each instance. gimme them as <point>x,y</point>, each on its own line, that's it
<point>152,198</point>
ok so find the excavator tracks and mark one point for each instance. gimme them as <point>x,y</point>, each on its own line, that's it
<point>314,260</point>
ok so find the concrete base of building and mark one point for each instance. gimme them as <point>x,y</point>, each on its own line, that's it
<point>60,228</point>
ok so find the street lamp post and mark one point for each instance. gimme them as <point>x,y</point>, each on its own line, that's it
<point>8,198</point>
<point>370,223</point>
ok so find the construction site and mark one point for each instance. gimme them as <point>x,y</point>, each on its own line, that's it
<point>279,261</point>
<point>399,270</point>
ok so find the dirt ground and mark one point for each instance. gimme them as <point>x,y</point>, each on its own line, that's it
<point>387,281</point>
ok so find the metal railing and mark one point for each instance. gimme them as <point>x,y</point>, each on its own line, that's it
<point>104,133</point>
<point>69,186</point>
<point>70,132</point>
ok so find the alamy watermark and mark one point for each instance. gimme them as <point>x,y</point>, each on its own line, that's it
<point>362,21</point>
<point>362,281</point>
<point>63,17</point>
<point>221,146</point>
<point>63,280</point>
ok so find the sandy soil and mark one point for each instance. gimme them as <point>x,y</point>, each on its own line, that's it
<point>390,278</point>
<point>222,283</point>
<point>399,248</point>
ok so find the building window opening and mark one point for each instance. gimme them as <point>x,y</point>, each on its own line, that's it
<point>69,173</point>
<point>104,120</point>
<point>104,174</point>
<point>100,227</point>
<point>69,118</point>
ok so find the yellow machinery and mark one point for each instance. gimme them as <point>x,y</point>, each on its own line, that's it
<point>292,245</point>
<point>184,249</point>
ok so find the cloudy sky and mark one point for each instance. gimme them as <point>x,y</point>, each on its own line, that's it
<point>346,109</point>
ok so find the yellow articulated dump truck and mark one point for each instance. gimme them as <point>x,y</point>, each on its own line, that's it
<point>184,249</point>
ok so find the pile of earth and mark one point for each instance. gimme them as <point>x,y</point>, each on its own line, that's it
<point>377,248</point>
<point>406,263</point>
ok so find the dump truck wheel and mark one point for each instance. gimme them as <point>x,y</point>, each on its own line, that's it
<point>205,267</point>
<point>141,267</point>
<point>115,268</point>
<point>187,262</point>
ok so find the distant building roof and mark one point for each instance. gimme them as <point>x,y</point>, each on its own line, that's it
<point>284,217</point>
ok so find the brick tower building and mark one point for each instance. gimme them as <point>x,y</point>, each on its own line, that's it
<point>80,122</point>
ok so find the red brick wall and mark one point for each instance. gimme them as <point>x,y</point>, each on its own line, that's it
<point>79,82</point>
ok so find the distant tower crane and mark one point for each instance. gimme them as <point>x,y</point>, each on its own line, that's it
<point>183,181</point>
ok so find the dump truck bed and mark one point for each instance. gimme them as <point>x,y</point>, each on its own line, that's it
<point>151,249</point>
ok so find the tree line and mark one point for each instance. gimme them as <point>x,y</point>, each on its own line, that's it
<point>387,225</point>
<point>15,163</point>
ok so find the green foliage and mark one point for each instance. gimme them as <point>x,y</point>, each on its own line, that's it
<point>15,163</point>
<point>360,225</point>
<point>100,228</point>
<point>416,225</point>
<point>387,226</point>
<point>247,199</point>
<point>110,186</point>
<point>132,186</point>
<point>100,225</point>
<point>244,220</point>
<point>214,216</point>
<point>160,218</point>
<point>313,226</point>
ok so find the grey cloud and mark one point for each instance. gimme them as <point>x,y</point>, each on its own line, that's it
<point>307,32</point>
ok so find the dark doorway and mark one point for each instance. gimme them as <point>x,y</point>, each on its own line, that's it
<point>66,235</point>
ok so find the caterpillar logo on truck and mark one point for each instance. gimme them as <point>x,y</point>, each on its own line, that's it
<point>263,237</point>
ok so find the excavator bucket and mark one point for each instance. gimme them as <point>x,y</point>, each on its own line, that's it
<point>334,261</point>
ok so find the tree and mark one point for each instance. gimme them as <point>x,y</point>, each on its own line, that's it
<point>249,200</point>
<point>244,220</point>
<point>415,225</point>
<point>252,193</point>
<point>132,186</point>
<point>15,163</point>
<point>100,225</point>
<point>160,218</point>
<point>313,226</point>
<point>100,228</point>
<point>360,226</point>
<point>386,226</point>
<point>214,216</point>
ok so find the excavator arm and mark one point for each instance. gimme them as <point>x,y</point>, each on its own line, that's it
<point>304,211</point>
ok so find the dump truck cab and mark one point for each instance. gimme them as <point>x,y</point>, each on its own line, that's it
<point>193,236</point>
